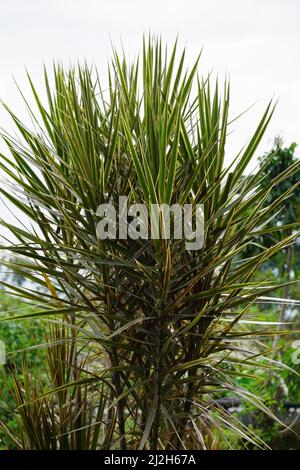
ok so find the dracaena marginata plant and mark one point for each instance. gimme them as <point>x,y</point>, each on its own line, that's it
<point>163,330</point>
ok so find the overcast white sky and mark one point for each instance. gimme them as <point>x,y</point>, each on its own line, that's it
<point>255,41</point>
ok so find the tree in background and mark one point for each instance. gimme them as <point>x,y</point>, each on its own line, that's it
<point>157,323</point>
<point>279,160</point>
<point>286,219</point>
